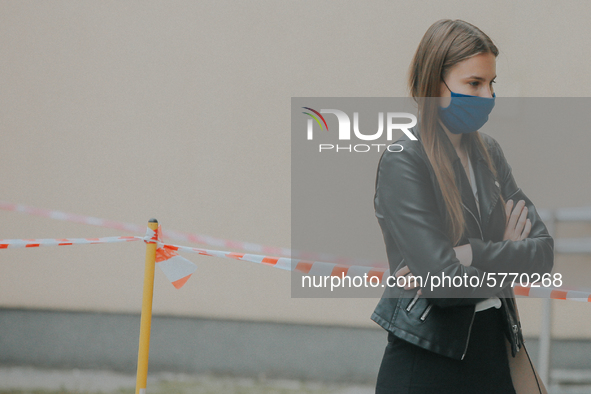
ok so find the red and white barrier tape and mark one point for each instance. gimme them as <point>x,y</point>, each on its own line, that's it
<point>339,270</point>
<point>177,235</point>
<point>35,243</point>
<point>553,293</point>
<point>180,236</point>
<point>70,217</point>
<point>289,264</point>
<point>178,269</point>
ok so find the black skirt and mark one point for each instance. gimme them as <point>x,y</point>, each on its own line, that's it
<point>409,369</point>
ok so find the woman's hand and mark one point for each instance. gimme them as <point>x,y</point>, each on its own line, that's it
<point>518,225</point>
<point>463,254</point>
<point>410,283</point>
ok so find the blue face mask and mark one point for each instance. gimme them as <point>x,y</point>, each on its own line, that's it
<point>465,113</point>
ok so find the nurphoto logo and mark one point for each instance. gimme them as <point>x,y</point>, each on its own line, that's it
<point>344,129</point>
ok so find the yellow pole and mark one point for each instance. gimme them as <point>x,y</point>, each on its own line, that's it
<point>146,320</point>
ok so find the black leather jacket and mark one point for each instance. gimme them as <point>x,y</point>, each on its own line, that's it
<point>409,207</point>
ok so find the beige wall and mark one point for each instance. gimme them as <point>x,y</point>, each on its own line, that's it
<point>181,111</point>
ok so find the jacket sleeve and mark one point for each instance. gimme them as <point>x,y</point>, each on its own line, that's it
<point>405,202</point>
<point>534,254</point>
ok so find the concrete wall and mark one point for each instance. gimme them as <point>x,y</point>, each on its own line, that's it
<point>59,339</point>
<point>180,111</point>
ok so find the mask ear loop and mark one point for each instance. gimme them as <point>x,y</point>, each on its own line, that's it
<point>446,85</point>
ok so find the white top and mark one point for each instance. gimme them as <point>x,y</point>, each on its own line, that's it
<point>493,301</point>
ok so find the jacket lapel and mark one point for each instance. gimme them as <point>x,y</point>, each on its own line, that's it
<point>462,180</point>
<point>488,189</point>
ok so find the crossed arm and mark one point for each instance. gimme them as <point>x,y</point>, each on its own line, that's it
<point>517,228</point>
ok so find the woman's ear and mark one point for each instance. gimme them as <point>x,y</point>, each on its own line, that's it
<point>444,94</point>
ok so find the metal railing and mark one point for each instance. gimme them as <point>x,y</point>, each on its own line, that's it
<point>561,246</point>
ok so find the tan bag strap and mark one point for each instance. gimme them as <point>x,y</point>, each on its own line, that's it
<point>523,373</point>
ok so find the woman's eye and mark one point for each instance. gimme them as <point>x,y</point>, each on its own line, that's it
<point>474,83</point>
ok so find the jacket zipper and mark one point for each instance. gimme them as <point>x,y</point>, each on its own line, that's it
<point>515,331</point>
<point>514,326</point>
<point>469,332</point>
<point>424,315</point>
<point>516,191</point>
<point>473,313</point>
<point>477,222</point>
<point>411,304</point>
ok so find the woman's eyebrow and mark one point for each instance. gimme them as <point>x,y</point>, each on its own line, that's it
<point>479,78</point>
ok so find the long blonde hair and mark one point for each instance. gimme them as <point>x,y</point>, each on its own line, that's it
<point>446,43</point>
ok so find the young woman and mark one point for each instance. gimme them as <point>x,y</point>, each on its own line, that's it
<point>448,206</point>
